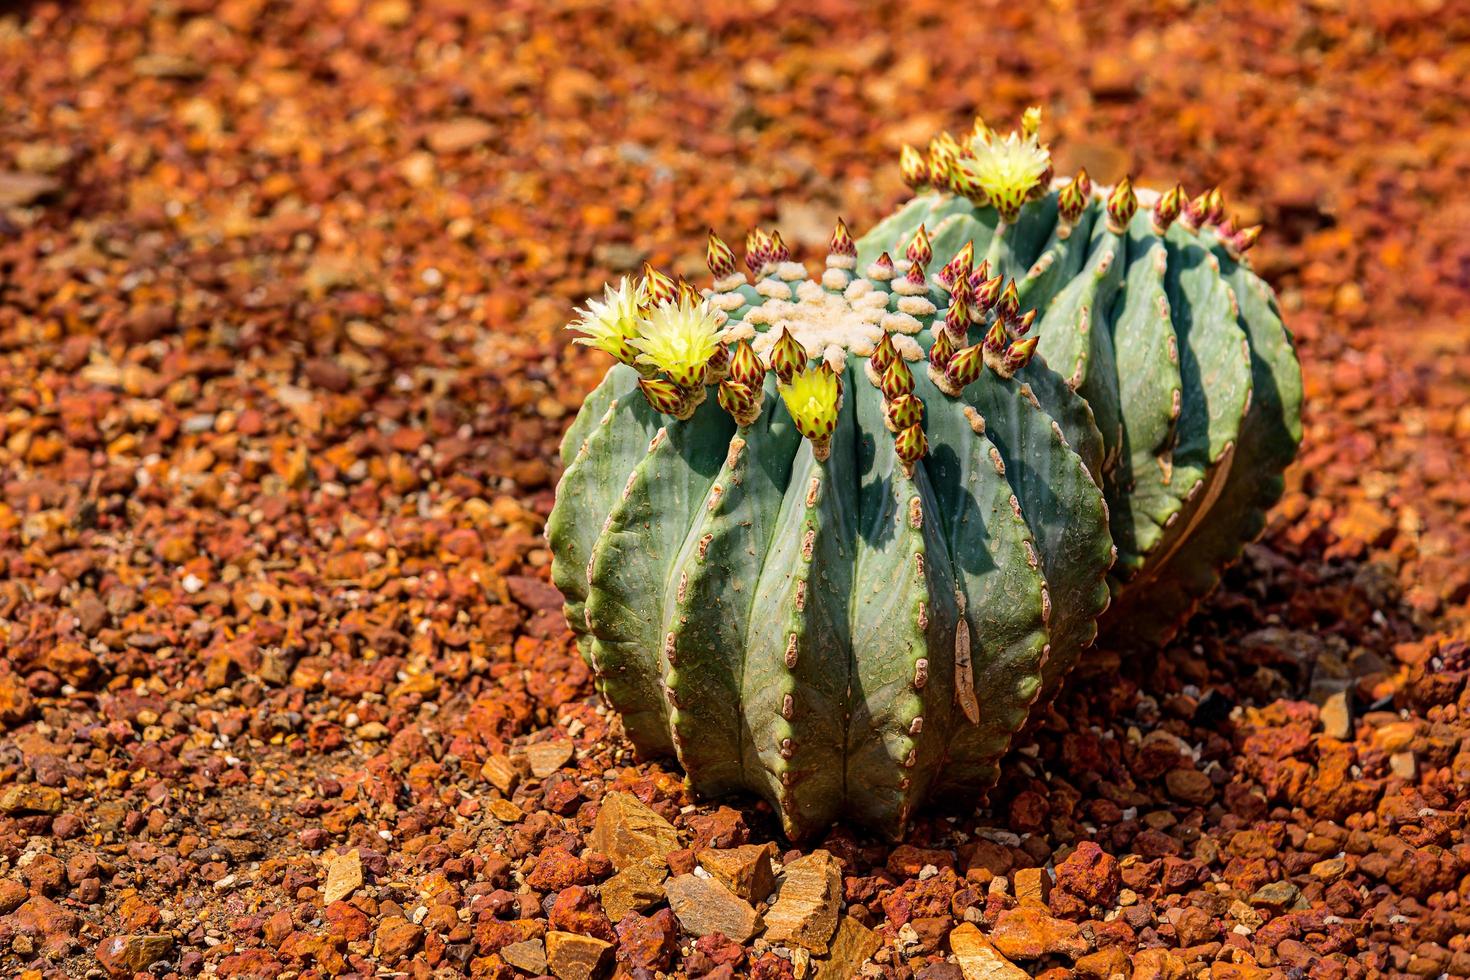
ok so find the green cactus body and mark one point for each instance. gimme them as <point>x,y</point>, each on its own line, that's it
<point>828,540</point>
<point>837,631</point>
<point>1177,349</point>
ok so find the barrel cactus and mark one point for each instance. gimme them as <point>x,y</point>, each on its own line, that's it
<point>842,581</point>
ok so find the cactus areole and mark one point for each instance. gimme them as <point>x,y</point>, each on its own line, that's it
<point>843,582</point>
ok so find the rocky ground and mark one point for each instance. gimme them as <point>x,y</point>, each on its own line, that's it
<point>284,689</point>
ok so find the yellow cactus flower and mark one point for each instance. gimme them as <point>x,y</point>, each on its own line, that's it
<point>679,338</point>
<point>811,397</point>
<point>612,324</point>
<point>1006,169</point>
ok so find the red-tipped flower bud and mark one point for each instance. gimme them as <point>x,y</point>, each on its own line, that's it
<point>663,396</point>
<point>717,368</point>
<point>883,354</point>
<point>719,257</point>
<point>1242,240</point>
<point>779,251</point>
<point>965,366</point>
<point>757,251</point>
<point>1072,199</point>
<point>957,270</point>
<point>1023,323</point>
<point>741,401</point>
<point>842,243</point>
<point>958,318</point>
<point>980,276</point>
<point>896,379</point>
<point>920,251</point>
<point>1009,303</point>
<point>904,411</point>
<point>883,267</point>
<point>788,356</point>
<point>910,445</point>
<point>912,165</point>
<point>987,294</point>
<point>1122,204</point>
<point>941,350</point>
<point>996,339</point>
<point>746,367</point>
<point>1216,206</point>
<point>659,288</point>
<point>1019,355</point>
<point>1168,209</point>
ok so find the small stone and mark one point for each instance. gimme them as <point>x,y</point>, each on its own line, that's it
<point>123,956</point>
<point>1277,895</point>
<point>170,66</point>
<point>504,810</point>
<point>648,943</point>
<point>1033,885</point>
<point>1329,870</point>
<point>1158,964</point>
<point>30,798</point>
<point>1090,873</point>
<point>1110,963</point>
<point>528,956</point>
<point>978,957</point>
<point>627,831</point>
<point>501,773</point>
<point>807,901</point>
<point>573,957</point>
<point>636,888</point>
<point>547,757</point>
<point>852,946</point>
<point>1337,716</point>
<point>1189,785</point>
<point>704,906</point>
<point>1402,765</point>
<point>745,870</point>
<point>397,938</point>
<point>22,190</point>
<point>457,135</point>
<point>344,876</point>
<point>1028,934</point>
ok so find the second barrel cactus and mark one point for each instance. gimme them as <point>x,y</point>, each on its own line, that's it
<point>827,537</point>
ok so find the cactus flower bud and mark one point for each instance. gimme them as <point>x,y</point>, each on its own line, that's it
<point>896,379</point>
<point>941,350</point>
<point>746,367</point>
<point>914,167</point>
<point>1122,203</point>
<point>882,269</point>
<point>787,356</point>
<point>1031,121</point>
<point>979,277</point>
<point>1018,356</point>
<point>842,243</point>
<point>1215,203</point>
<point>717,368</point>
<point>741,401</point>
<point>779,252</point>
<point>1072,199</point>
<point>1197,211</point>
<point>679,339</point>
<point>994,346</point>
<point>987,294</point>
<point>1168,208</point>
<point>920,251</point>
<point>1023,323</point>
<point>957,271</point>
<point>1009,303</point>
<point>958,318</point>
<point>911,445</point>
<point>659,288</point>
<point>965,366</point>
<point>719,257</point>
<point>812,397</point>
<point>757,251</point>
<point>883,354</point>
<point>1242,240</point>
<point>904,411</point>
<point>663,396</point>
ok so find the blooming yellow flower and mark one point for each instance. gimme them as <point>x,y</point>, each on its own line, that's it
<point>1007,169</point>
<point>679,338</point>
<point>811,398</point>
<point>612,324</point>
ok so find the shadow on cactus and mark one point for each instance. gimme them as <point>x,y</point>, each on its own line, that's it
<point>842,582</point>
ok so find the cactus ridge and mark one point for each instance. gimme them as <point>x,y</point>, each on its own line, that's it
<point>844,581</point>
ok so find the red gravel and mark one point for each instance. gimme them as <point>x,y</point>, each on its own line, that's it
<point>280,293</point>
